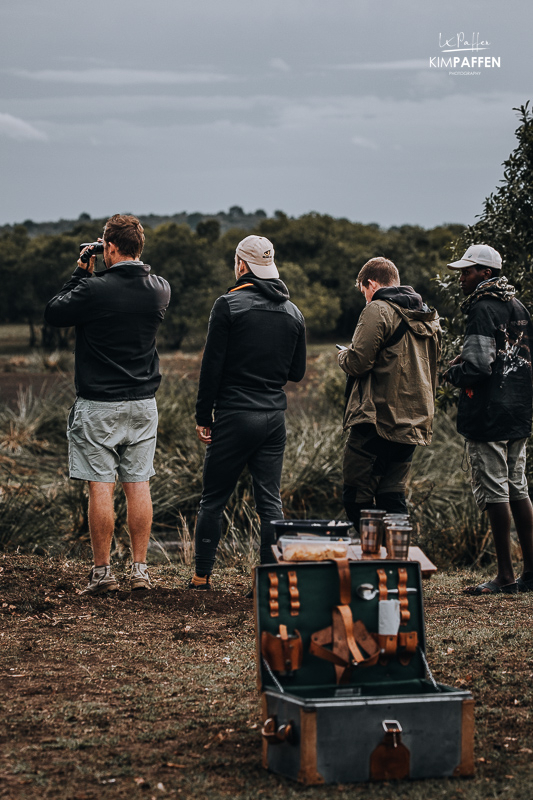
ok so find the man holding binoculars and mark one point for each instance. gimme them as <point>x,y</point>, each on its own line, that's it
<point>112,425</point>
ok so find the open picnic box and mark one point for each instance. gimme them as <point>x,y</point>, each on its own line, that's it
<point>347,694</point>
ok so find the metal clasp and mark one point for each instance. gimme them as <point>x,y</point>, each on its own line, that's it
<point>392,730</point>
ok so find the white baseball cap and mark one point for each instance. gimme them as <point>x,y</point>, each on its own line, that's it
<point>481,254</point>
<point>258,252</point>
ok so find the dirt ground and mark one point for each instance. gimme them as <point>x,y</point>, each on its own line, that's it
<point>153,695</point>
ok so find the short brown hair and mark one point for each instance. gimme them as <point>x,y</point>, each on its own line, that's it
<point>126,233</point>
<point>380,270</point>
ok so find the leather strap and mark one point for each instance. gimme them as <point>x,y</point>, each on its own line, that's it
<point>409,642</point>
<point>345,581</point>
<point>343,638</point>
<point>382,585</point>
<point>273,594</point>
<point>388,645</point>
<point>283,652</point>
<point>294,594</point>
<point>405,614</point>
<point>346,638</point>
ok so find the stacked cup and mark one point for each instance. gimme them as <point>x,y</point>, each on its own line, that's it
<point>397,536</point>
<point>371,531</point>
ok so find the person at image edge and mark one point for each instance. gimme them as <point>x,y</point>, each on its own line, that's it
<point>494,412</point>
<point>112,426</point>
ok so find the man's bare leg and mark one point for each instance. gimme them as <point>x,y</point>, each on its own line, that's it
<point>522,511</point>
<point>139,518</point>
<point>500,523</point>
<point>101,521</point>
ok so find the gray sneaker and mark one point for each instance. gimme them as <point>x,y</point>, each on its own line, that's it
<point>101,580</point>
<point>139,578</point>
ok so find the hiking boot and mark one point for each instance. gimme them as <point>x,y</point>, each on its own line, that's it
<point>200,583</point>
<point>101,581</point>
<point>139,578</point>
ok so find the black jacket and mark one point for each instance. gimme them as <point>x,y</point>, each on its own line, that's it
<point>255,344</point>
<point>495,372</point>
<point>116,313</point>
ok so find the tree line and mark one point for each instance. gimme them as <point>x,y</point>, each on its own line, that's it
<point>318,257</point>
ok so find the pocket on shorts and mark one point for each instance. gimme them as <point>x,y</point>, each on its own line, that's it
<point>70,419</point>
<point>101,421</point>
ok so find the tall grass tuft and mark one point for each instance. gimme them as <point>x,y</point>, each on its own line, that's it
<point>40,505</point>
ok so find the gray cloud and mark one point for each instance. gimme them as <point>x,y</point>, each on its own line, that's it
<point>121,77</point>
<point>280,64</point>
<point>413,63</point>
<point>16,128</point>
<point>334,101</point>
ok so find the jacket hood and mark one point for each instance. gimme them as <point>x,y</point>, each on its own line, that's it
<point>403,296</point>
<point>497,288</point>
<point>422,320</point>
<point>273,288</point>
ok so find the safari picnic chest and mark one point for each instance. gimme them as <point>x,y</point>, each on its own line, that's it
<point>346,692</point>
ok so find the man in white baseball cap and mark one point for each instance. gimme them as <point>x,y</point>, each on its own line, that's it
<point>481,254</point>
<point>494,413</point>
<point>258,253</point>
<point>255,344</point>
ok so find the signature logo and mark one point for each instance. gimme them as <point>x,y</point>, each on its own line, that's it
<point>473,59</point>
<point>458,43</point>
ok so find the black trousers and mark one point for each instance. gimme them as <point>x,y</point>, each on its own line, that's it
<point>240,438</point>
<point>375,472</point>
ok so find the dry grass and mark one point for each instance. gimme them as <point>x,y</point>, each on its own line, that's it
<point>53,510</point>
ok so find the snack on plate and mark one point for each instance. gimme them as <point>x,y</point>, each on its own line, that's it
<point>313,549</point>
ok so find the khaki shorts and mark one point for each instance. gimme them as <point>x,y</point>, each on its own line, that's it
<point>498,471</point>
<point>110,439</point>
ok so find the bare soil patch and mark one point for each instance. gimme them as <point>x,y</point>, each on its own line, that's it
<point>153,694</point>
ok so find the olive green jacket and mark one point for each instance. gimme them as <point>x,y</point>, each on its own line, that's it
<point>395,386</point>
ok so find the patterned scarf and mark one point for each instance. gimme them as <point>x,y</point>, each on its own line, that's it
<point>496,287</point>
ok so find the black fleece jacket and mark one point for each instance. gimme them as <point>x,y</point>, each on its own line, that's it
<point>255,344</point>
<point>116,313</point>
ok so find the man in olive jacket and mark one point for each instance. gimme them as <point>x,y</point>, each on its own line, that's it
<point>392,364</point>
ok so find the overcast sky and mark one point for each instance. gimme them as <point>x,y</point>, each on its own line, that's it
<point>301,105</point>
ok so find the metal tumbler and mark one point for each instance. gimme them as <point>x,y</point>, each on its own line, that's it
<point>371,533</point>
<point>397,538</point>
